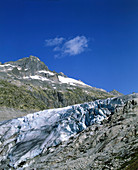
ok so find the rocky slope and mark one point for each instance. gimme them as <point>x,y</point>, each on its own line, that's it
<point>28,85</point>
<point>95,135</point>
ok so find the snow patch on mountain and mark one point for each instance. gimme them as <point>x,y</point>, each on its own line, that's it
<point>37,77</point>
<point>8,67</point>
<point>4,65</point>
<point>70,81</point>
<point>47,72</point>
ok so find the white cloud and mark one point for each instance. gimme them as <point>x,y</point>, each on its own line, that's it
<point>69,47</point>
<point>75,46</point>
<point>54,41</point>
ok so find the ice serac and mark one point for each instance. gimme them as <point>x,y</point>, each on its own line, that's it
<point>26,137</point>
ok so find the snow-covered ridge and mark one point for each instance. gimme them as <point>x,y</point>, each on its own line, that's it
<point>35,72</point>
<point>37,77</point>
<point>47,72</point>
<point>34,133</point>
<point>70,81</point>
<point>5,65</point>
<point>8,67</point>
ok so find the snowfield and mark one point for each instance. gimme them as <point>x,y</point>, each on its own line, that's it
<point>70,81</point>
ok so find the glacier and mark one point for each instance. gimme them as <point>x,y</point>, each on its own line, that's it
<point>31,135</point>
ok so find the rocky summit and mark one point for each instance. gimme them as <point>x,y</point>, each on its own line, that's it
<point>95,135</point>
<point>27,86</point>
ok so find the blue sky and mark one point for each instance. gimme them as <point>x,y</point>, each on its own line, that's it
<point>95,41</point>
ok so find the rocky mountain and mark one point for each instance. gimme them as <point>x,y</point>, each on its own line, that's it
<point>95,135</point>
<point>27,85</point>
<point>116,93</point>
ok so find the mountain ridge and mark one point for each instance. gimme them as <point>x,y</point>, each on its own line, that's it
<point>28,84</point>
<point>115,92</point>
<point>33,64</point>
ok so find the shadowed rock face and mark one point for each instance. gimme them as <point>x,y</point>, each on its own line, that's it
<point>94,135</point>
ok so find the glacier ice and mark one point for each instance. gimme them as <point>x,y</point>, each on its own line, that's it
<point>36,132</point>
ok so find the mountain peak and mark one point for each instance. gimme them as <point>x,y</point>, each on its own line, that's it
<point>31,64</point>
<point>31,57</point>
<point>116,93</point>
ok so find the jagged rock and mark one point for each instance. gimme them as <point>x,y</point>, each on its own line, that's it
<point>62,74</point>
<point>115,92</point>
